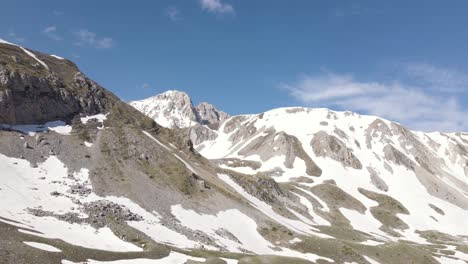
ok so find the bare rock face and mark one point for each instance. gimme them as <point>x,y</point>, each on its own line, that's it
<point>208,114</point>
<point>275,144</point>
<point>199,134</point>
<point>397,157</point>
<point>376,180</point>
<point>174,109</point>
<point>233,123</point>
<point>62,89</point>
<point>378,130</point>
<point>325,145</point>
<point>265,188</point>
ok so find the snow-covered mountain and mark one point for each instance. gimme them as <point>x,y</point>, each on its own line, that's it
<point>375,161</point>
<point>175,109</point>
<point>84,177</point>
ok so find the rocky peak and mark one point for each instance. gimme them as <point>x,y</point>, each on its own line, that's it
<point>174,109</point>
<point>209,114</point>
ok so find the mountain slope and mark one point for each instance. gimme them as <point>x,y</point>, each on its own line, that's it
<point>174,109</point>
<point>367,157</point>
<point>103,183</point>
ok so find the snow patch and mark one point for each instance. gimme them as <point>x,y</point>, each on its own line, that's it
<point>100,118</point>
<point>42,246</point>
<point>23,187</point>
<point>238,224</point>
<point>57,57</point>
<point>57,126</point>
<point>34,57</point>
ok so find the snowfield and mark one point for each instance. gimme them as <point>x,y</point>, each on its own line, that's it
<point>23,187</point>
<point>357,133</point>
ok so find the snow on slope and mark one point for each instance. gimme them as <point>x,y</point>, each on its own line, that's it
<point>173,258</point>
<point>170,109</point>
<point>47,187</point>
<point>241,226</point>
<point>56,126</point>
<point>23,187</point>
<point>367,138</point>
<point>42,246</point>
<point>57,57</point>
<point>32,55</point>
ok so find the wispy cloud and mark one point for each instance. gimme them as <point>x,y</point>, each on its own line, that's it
<point>57,12</point>
<point>86,37</point>
<point>436,77</point>
<point>173,13</point>
<point>15,37</point>
<point>216,6</point>
<point>51,32</point>
<point>414,106</point>
<point>145,86</point>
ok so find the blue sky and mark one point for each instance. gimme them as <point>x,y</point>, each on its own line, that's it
<point>403,60</point>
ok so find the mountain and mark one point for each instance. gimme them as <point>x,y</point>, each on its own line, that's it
<point>87,178</point>
<point>174,109</point>
<point>379,165</point>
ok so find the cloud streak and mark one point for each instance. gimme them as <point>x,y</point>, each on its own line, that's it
<point>51,32</point>
<point>89,38</point>
<point>216,6</point>
<point>414,106</point>
<point>437,78</point>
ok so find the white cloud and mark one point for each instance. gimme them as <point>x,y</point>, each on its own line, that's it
<point>216,6</point>
<point>86,37</point>
<point>51,32</point>
<point>172,13</point>
<point>438,78</point>
<point>145,86</point>
<point>413,106</point>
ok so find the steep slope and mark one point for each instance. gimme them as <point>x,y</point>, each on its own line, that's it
<point>366,157</point>
<point>26,77</point>
<point>174,109</point>
<point>106,184</point>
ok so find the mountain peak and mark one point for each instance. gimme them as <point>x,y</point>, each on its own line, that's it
<point>175,109</point>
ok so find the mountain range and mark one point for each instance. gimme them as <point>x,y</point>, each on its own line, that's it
<point>88,178</point>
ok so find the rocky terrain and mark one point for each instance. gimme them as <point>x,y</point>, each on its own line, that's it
<point>174,109</point>
<point>93,180</point>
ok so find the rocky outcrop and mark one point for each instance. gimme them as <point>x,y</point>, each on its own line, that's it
<point>376,180</point>
<point>208,114</point>
<point>199,134</point>
<point>325,145</point>
<point>62,89</point>
<point>280,144</point>
<point>264,188</point>
<point>394,155</point>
